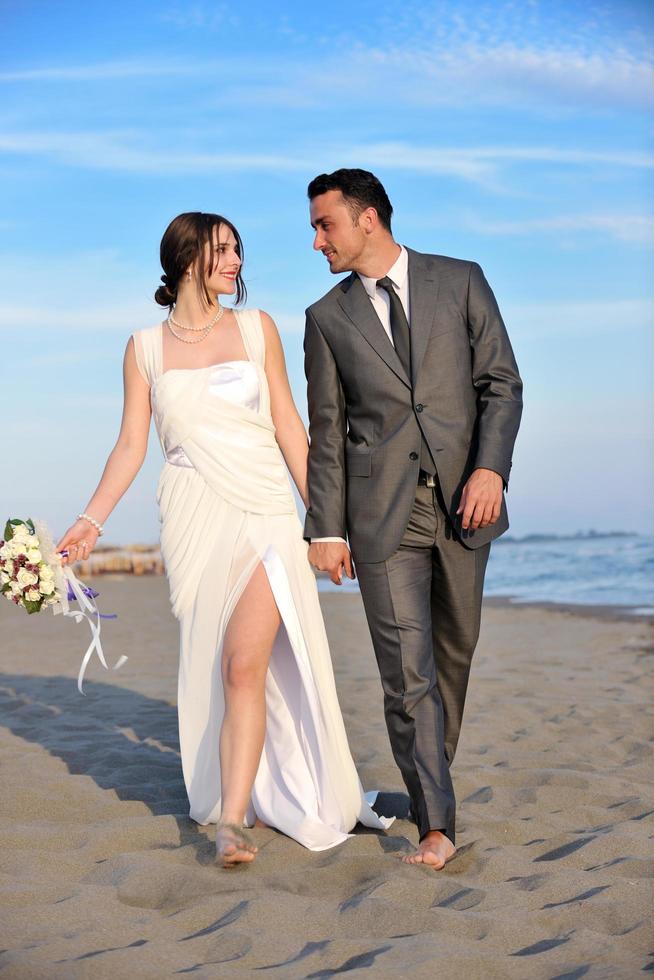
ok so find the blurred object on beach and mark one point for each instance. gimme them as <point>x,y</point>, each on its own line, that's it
<point>131,559</point>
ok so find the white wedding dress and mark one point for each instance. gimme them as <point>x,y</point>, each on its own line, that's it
<point>226,504</point>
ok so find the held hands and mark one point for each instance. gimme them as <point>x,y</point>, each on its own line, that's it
<point>79,540</point>
<point>481,499</point>
<point>331,557</point>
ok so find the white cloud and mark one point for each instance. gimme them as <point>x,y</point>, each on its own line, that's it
<point>554,154</point>
<point>205,17</point>
<point>439,73</point>
<point>574,319</point>
<point>129,151</point>
<point>480,163</point>
<point>508,74</point>
<point>439,62</point>
<point>55,359</point>
<point>102,71</point>
<point>120,319</point>
<point>89,403</point>
<point>68,292</point>
<point>531,319</point>
<point>89,319</point>
<point>634,228</point>
<point>125,151</point>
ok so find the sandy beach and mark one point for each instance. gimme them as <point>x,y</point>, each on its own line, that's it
<point>104,875</point>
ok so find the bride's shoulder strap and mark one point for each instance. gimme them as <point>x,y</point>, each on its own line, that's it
<point>252,333</point>
<point>147,347</point>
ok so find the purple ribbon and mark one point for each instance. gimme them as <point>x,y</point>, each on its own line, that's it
<point>91,593</point>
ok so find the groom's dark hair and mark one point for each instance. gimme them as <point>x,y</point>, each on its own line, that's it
<point>361,190</point>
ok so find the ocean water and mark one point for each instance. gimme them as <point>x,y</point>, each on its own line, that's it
<point>600,570</point>
<point>588,569</point>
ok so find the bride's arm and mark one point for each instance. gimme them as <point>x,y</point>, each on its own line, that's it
<point>124,462</point>
<point>290,432</point>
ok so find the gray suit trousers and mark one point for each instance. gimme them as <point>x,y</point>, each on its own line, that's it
<point>423,606</point>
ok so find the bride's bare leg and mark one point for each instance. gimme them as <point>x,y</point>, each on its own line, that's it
<point>247,647</point>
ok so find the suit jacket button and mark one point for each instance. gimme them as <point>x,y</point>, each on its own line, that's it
<point>413,455</point>
<point>419,407</point>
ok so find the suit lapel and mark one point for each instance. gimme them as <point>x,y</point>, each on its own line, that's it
<point>356,304</point>
<point>423,294</point>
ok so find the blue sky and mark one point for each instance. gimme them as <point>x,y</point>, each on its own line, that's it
<point>515,134</point>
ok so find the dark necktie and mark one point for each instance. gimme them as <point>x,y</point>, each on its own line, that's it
<point>399,325</point>
<point>402,343</point>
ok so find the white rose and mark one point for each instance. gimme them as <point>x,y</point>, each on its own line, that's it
<point>46,587</point>
<point>17,548</point>
<point>4,578</point>
<point>15,588</point>
<point>33,595</point>
<point>5,551</point>
<point>22,533</point>
<point>34,555</point>
<point>26,578</point>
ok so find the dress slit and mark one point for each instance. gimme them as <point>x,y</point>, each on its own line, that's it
<point>290,784</point>
<point>291,780</point>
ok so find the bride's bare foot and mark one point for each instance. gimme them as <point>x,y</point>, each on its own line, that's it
<point>434,850</point>
<point>233,845</point>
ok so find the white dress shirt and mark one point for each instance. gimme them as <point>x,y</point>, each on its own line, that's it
<point>399,276</point>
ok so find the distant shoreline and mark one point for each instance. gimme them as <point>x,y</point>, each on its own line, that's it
<point>616,612</point>
<point>146,560</point>
<point>577,536</point>
<point>147,557</point>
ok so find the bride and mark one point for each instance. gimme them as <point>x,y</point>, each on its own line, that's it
<point>261,733</point>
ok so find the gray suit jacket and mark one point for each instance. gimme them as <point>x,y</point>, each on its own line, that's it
<point>364,413</point>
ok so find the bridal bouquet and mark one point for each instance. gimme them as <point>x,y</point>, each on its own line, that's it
<point>27,578</point>
<point>32,576</point>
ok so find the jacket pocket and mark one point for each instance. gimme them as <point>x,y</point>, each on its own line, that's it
<point>358,462</point>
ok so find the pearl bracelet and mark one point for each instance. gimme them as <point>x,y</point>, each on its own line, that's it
<point>85,517</point>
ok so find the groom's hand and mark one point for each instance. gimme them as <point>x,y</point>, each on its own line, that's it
<point>331,557</point>
<point>481,499</point>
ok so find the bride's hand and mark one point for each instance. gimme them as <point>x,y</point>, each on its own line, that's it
<point>79,541</point>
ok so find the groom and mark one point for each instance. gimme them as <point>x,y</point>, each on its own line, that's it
<point>414,406</point>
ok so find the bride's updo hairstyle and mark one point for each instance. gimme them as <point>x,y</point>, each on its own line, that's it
<point>183,245</point>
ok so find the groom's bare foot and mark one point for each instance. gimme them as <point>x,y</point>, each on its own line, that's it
<point>434,850</point>
<point>233,845</point>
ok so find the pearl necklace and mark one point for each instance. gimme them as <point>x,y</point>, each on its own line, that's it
<point>205,331</point>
